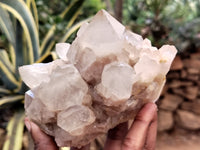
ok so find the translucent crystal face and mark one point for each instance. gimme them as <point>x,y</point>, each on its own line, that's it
<point>116,82</point>
<point>64,89</point>
<point>78,117</point>
<point>62,49</point>
<point>102,79</point>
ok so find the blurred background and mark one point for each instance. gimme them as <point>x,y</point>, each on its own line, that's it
<point>29,30</point>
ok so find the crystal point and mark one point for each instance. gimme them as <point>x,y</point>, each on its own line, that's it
<point>102,79</point>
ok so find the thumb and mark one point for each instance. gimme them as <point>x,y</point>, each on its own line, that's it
<point>41,140</point>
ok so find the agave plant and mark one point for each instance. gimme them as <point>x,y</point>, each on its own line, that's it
<point>19,23</point>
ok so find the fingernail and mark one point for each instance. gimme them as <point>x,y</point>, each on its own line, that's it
<point>28,124</point>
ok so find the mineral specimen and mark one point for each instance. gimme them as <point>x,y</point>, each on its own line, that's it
<point>102,79</point>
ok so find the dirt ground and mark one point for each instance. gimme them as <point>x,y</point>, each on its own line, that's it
<point>179,140</point>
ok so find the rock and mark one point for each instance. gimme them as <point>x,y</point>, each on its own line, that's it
<point>193,71</point>
<point>191,106</point>
<point>190,92</point>
<point>178,83</point>
<point>171,102</point>
<point>188,120</point>
<point>183,74</point>
<point>193,77</point>
<point>165,120</point>
<point>177,64</point>
<point>179,91</point>
<point>173,75</point>
<point>195,55</point>
<point>165,89</point>
<point>192,63</point>
<point>108,75</point>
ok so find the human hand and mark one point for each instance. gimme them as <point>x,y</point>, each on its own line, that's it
<point>140,136</point>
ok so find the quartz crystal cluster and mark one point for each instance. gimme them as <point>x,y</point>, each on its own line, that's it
<point>102,79</point>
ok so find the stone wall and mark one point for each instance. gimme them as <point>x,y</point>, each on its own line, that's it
<point>179,105</point>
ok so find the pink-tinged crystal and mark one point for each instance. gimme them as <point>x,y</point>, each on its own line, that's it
<point>102,79</point>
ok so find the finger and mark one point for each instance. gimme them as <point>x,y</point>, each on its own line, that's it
<point>87,147</point>
<point>135,139</point>
<point>41,140</point>
<point>115,137</point>
<point>152,134</point>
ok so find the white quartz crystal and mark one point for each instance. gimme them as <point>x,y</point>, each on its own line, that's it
<point>64,89</point>
<point>78,117</point>
<point>62,49</point>
<point>116,83</point>
<point>102,79</point>
<point>102,41</point>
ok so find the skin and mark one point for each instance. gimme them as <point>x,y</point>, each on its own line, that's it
<point>140,136</point>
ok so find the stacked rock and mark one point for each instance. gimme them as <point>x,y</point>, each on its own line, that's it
<point>180,105</point>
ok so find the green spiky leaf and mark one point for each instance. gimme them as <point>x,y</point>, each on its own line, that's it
<point>15,132</point>
<point>19,9</point>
